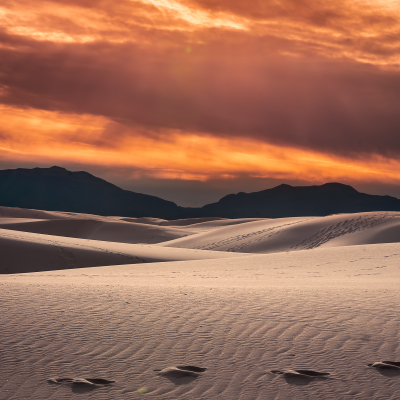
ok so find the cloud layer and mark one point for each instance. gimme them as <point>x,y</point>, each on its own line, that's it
<point>320,78</point>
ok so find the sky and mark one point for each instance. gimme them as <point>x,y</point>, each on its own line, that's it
<point>191,100</point>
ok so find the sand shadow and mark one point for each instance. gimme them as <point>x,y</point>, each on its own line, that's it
<point>387,368</point>
<point>81,385</point>
<point>301,377</point>
<point>392,373</point>
<point>80,389</point>
<point>181,381</point>
<point>292,380</point>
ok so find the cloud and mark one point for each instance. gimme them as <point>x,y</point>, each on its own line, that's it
<point>305,76</point>
<point>221,88</point>
<point>51,137</point>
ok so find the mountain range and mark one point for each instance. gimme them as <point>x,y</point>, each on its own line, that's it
<point>57,189</point>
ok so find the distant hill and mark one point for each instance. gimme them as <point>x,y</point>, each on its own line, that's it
<point>294,201</point>
<point>57,189</point>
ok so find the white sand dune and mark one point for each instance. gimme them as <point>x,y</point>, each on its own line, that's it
<point>106,230</point>
<point>212,224</point>
<point>185,323</point>
<point>28,252</point>
<point>14,212</point>
<point>355,267</point>
<point>112,229</point>
<point>144,220</point>
<point>325,310</point>
<point>189,221</point>
<point>176,222</point>
<point>298,233</point>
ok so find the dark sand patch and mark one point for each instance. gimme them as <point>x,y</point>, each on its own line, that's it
<point>301,373</point>
<point>386,365</point>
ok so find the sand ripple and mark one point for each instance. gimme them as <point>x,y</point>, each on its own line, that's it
<point>239,335</point>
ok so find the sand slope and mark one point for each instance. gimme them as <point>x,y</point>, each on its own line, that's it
<point>326,310</point>
<point>109,320</point>
<point>113,229</point>
<point>28,252</point>
<point>354,267</point>
<point>288,234</point>
<point>106,230</point>
<point>14,212</point>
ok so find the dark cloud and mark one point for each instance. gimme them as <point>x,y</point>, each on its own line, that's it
<point>292,84</point>
<point>225,88</point>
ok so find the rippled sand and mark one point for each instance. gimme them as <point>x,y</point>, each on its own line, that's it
<point>209,328</point>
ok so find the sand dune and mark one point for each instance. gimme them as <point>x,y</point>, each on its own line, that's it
<point>139,326</point>
<point>351,267</point>
<point>14,212</point>
<point>28,252</point>
<point>112,231</point>
<point>215,223</point>
<point>189,221</point>
<point>288,234</point>
<point>182,323</point>
<point>144,220</point>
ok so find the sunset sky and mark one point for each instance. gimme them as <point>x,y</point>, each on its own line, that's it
<point>194,99</point>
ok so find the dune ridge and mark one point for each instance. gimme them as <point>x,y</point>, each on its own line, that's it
<point>111,231</point>
<point>297,233</point>
<point>27,252</point>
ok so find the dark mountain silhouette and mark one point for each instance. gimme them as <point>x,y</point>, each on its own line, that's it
<point>289,201</point>
<point>56,189</point>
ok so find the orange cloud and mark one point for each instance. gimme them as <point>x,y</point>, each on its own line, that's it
<point>58,138</point>
<point>366,31</point>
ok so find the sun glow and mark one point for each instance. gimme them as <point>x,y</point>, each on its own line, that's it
<point>53,138</point>
<point>198,17</point>
<point>383,4</point>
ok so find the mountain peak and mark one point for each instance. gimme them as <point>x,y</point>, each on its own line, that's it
<point>283,186</point>
<point>56,168</point>
<point>330,186</point>
<point>338,186</point>
<point>57,189</point>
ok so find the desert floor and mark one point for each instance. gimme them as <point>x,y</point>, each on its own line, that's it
<point>116,308</point>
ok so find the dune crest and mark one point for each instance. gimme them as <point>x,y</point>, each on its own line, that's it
<point>297,233</point>
<point>24,252</point>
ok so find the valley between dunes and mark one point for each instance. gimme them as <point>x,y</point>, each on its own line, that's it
<point>123,308</point>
